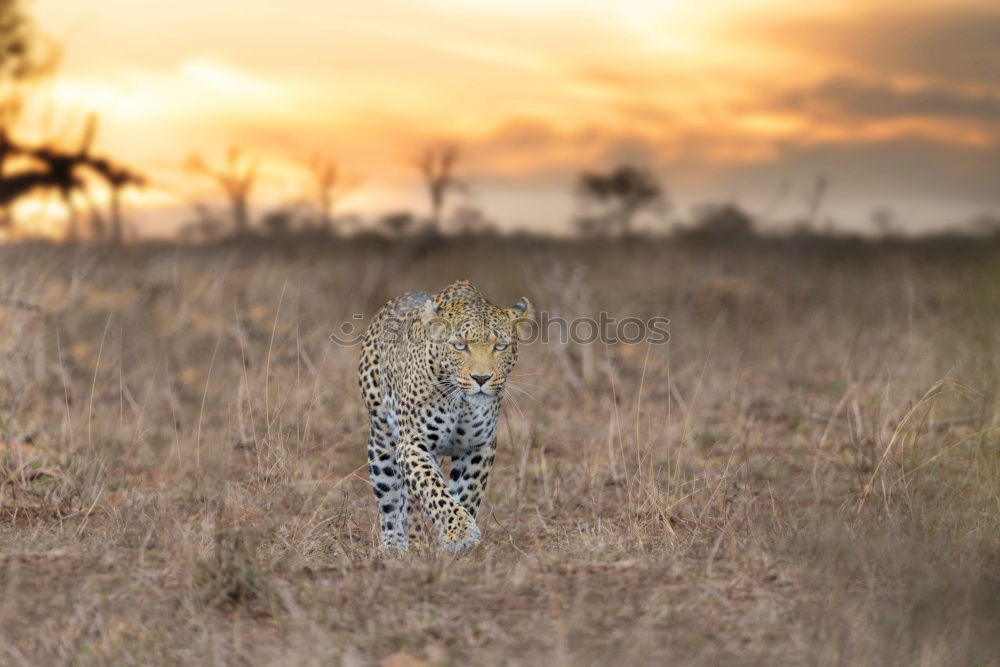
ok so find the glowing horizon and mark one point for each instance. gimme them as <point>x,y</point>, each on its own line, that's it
<point>728,100</point>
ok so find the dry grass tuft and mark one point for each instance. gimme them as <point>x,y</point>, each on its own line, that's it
<point>233,572</point>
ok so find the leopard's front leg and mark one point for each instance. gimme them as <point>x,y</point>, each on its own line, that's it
<point>469,473</point>
<point>455,525</point>
<point>387,483</point>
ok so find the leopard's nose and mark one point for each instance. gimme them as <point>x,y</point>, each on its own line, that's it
<point>482,379</point>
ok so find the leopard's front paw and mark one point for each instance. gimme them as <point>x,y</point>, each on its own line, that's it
<point>393,549</point>
<point>461,534</point>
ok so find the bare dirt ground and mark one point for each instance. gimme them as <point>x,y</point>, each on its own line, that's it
<point>808,473</point>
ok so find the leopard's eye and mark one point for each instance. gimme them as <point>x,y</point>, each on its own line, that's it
<point>459,345</point>
<point>500,347</point>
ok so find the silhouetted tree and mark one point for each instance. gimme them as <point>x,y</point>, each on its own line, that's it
<point>26,55</point>
<point>397,223</point>
<point>884,221</point>
<point>471,220</point>
<point>436,164</point>
<point>622,193</point>
<point>237,178</point>
<point>280,223</point>
<point>64,169</point>
<point>330,185</point>
<point>117,178</point>
<point>721,222</point>
<point>205,226</point>
<point>985,224</point>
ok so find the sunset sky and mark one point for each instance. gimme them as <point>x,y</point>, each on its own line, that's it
<point>894,103</point>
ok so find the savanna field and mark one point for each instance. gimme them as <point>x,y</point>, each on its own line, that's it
<point>807,473</point>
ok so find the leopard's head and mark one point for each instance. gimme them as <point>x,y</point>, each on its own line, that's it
<point>475,344</point>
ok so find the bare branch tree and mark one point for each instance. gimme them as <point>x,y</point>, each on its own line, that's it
<point>237,178</point>
<point>436,164</point>
<point>331,184</point>
<point>63,168</point>
<point>26,55</point>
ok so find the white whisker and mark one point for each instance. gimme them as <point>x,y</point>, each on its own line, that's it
<point>516,405</point>
<point>528,384</point>
<point>523,392</point>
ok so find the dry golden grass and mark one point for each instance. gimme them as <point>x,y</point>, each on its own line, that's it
<point>809,473</point>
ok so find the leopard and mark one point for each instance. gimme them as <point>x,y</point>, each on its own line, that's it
<point>433,371</point>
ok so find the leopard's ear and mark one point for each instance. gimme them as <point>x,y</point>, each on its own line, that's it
<point>430,312</point>
<point>522,315</point>
<point>437,326</point>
